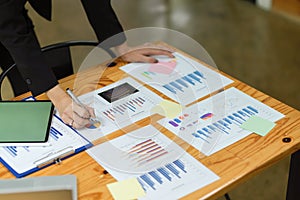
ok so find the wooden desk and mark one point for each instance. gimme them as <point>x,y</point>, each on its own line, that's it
<point>234,164</point>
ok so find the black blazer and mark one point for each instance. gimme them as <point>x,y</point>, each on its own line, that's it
<point>18,39</point>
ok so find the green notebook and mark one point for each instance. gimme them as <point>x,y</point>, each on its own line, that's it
<point>25,123</point>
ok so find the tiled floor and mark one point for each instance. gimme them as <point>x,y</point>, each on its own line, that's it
<point>258,47</point>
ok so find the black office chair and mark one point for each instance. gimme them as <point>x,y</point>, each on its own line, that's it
<point>59,57</point>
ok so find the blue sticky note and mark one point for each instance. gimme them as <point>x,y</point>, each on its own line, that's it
<point>258,125</point>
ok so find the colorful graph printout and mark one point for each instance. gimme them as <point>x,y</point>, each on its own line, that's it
<point>182,79</point>
<point>172,177</point>
<point>214,123</point>
<point>118,105</point>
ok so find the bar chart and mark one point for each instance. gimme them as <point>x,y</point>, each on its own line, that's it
<point>228,125</point>
<point>118,105</point>
<point>169,178</point>
<point>126,108</point>
<point>184,80</point>
<point>12,150</point>
<point>145,152</point>
<point>138,151</point>
<point>55,134</point>
<point>214,123</point>
<point>167,173</point>
<point>181,84</point>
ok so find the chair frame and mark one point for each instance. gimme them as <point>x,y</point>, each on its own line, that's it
<point>57,46</point>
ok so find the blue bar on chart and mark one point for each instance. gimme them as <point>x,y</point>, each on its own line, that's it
<point>165,173</point>
<point>180,164</point>
<point>199,74</point>
<point>243,113</point>
<point>175,85</point>
<point>55,134</point>
<point>238,116</point>
<point>155,178</point>
<point>204,134</point>
<point>222,123</point>
<point>213,129</point>
<point>207,131</point>
<point>234,120</point>
<point>226,124</point>
<point>187,79</point>
<point>248,111</point>
<point>130,107</point>
<point>253,109</point>
<point>173,170</point>
<point>181,82</point>
<point>199,136</point>
<point>169,88</point>
<point>220,128</point>
<point>147,180</point>
<point>177,120</point>
<point>142,184</point>
<point>195,78</point>
<point>227,120</point>
<point>12,150</point>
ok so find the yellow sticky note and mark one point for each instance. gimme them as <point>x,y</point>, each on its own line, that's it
<point>126,190</point>
<point>167,108</point>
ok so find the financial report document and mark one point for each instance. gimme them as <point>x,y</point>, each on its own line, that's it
<point>214,123</point>
<point>118,105</point>
<point>164,169</point>
<point>181,78</point>
<point>64,140</point>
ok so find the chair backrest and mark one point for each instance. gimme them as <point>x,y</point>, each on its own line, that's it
<point>58,56</point>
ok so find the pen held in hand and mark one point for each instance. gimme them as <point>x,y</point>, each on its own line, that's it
<point>77,101</point>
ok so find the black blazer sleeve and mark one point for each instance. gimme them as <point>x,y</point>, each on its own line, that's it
<point>104,22</point>
<point>17,35</point>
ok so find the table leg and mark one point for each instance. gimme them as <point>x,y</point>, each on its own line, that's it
<point>293,188</point>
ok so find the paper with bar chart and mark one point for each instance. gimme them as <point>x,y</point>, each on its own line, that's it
<point>164,170</point>
<point>214,123</point>
<point>181,78</point>
<point>118,105</point>
<point>23,160</point>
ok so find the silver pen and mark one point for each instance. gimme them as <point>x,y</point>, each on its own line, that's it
<point>76,100</point>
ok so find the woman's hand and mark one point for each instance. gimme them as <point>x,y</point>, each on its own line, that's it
<point>142,53</point>
<point>71,113</point>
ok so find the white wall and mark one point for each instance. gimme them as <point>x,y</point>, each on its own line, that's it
<point>265,4</point>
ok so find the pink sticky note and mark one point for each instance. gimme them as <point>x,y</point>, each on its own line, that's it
<point>163,67</point>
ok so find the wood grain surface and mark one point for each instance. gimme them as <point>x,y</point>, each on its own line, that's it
<point>234,164</point>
